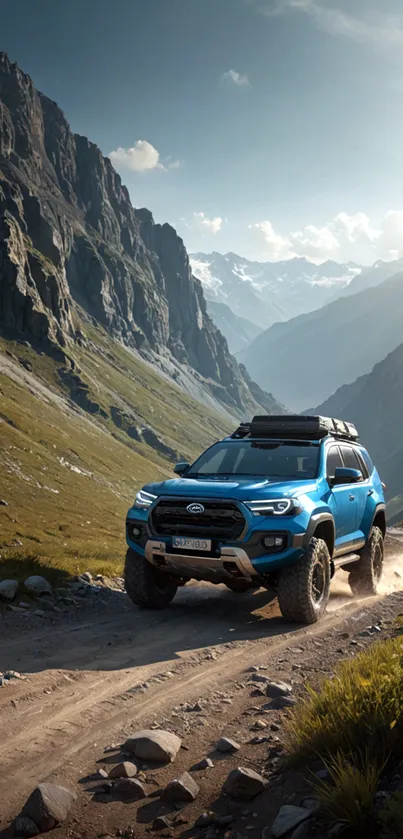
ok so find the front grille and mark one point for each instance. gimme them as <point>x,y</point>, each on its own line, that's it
<point>221,519</point>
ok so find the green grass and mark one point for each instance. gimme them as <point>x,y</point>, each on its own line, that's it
<point>363,701</point>
<point>69,478</point>
<point>349,797</point>
<point>354,723</point>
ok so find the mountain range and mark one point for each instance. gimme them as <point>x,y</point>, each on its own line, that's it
<point>309,357</point>
<point>267,292</point>
<point>374,402</point>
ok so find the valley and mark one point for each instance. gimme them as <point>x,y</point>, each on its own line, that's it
<point>121,355</point>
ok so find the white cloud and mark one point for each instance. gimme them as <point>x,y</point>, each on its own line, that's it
<point>345,238</point>
<point>142,157</point>
<point>276,245</point>
<point>379,29</point>
<point>213,225</point>
<point>234,79</point>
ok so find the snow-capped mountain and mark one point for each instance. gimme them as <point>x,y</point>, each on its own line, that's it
<point>267,292</point>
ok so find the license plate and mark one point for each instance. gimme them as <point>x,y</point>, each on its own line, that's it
<point>191,544</point>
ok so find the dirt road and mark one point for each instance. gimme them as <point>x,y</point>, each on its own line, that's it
<point>93,680</point>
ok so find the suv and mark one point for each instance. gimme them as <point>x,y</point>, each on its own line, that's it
<point>283,502</point>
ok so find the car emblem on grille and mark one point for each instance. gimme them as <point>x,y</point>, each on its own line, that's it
<point>195,509</point>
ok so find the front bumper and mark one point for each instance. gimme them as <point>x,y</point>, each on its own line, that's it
<point>246,559</point>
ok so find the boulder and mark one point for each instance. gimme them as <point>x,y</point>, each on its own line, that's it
<point>244,783</point>
<point>225,745</point>
<point>123,770</point>
<point>48,806</point>
<point>274,689</point>
<point>160,746</point>
<point>37,585</point>
<point>8,589</point>
<point>280,702</point>
<point>288,819</point>
<point>25,827</point>
<point>180,789</point>
<point>129,789</point>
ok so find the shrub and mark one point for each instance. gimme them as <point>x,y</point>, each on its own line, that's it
<point>349,797</point>
<point>362,704</point>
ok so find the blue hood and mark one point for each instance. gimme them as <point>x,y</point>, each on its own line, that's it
<point>242,489</point>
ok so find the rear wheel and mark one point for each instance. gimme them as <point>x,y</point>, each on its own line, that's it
<point>367,573</point>
<point>146,586</point>
<point>303,588</point>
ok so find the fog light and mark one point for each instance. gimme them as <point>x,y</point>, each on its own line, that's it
<point>136,532</point>
<point>274,541</point>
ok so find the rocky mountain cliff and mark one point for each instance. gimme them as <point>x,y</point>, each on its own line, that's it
<point>73,248</point>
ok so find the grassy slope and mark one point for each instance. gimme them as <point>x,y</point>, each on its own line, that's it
<point>72,519</point>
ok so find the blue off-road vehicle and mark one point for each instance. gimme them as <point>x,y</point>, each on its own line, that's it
<point>283,502</point>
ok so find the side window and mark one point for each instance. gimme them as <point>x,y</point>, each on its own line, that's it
<point>350,458</point>
<point>333,461</point>
<point>362,464</point>
<point>367,460</point>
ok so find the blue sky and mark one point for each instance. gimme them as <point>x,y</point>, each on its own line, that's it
<point>271,128</point>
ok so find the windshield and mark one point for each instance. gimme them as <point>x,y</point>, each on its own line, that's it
<point>297,461</point>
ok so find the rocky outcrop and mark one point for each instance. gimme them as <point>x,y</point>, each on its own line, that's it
<point>70,241</point>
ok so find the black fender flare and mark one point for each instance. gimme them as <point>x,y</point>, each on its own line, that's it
<point>317,519</point>
<point>380,508</point>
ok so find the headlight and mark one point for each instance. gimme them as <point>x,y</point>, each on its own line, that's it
<point>144,499</point>
<point>275,506</point>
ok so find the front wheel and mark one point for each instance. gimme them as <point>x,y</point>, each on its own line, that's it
<point>367,573</point>
<point>303,588</point>
<point>146,586</point>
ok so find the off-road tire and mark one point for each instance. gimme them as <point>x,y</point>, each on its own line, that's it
<point>366,575</point>
<point>146,586</point>
<point>296,585</point>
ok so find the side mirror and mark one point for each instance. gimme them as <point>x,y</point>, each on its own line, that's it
<point>342,475</point>
<point>181,468</point>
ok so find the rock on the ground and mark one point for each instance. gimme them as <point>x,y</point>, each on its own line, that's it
<point>86,577</point>
<point>280,702</point>
<point>8,589</point>
<point>37,585</point>
<point>207,763</point>
<point>161,823</point>
<point>25,827</point>
<point>156,745</point>
<point>226,745</point>
<point>129,789</point>
<point>302,831</point>
<point>3,502</point>
<point>123,770</point>
<point>244,783</point>
<point>288,819</point>
<point>180,789</point>
<point>259,725</point>
<point>48,806</point>
<point>259,677</point>
<point>274,689</point>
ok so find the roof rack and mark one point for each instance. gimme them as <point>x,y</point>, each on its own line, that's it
<point>296,427</point>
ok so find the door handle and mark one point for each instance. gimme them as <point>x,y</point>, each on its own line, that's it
<point>370,492</point>
<point>351,497</point>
